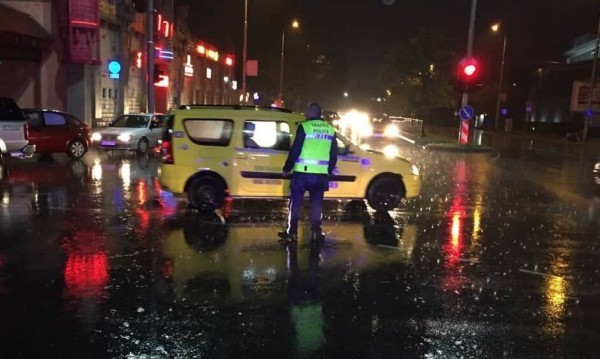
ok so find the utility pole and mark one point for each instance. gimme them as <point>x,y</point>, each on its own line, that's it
<point>497,118</point>
<point>245,51</point>
<point>588,110</point>
<point>150,57</point>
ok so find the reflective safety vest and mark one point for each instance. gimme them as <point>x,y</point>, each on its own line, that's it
<point>314,157</point>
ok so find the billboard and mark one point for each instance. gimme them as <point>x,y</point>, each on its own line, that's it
<point>83,35</point>
<point>580,96</point>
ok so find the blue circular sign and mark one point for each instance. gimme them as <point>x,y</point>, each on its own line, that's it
<point>114,67</point>
<point>466,112</point>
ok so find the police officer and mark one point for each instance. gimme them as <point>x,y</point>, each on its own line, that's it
<point>313,157</point>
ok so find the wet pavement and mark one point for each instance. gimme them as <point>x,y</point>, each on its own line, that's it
<point>498,258</point>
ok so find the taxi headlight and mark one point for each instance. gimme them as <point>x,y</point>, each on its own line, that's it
<point>125,137</point>
<point>414,169</point>
<point>96,136</point>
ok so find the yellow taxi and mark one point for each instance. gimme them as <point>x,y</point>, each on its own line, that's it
<point>212,152</point>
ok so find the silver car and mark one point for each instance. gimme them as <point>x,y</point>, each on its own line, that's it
<point>134,131</point>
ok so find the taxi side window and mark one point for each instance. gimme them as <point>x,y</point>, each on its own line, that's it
<point>266,134</point>
<point>209,132</point>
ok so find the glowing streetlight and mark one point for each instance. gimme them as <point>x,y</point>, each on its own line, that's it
<point>496,28</point>
<point>295,25</point>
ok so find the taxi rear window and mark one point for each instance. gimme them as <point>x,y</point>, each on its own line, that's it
<point>209,132</point>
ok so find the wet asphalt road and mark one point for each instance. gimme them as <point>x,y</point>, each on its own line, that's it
<point>499,258</point>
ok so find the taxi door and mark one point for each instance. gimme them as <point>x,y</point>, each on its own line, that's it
<point>345,181</point>
<point>262,147</point>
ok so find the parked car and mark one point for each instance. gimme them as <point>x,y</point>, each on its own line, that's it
<point>53,131</point>
<point>134,131</point>
<point>14,133</point>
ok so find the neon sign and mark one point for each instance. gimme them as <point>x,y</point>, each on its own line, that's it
<point>164,27</point>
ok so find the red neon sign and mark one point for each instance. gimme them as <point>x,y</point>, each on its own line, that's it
<point>164,27</point>
<point>164,81</point>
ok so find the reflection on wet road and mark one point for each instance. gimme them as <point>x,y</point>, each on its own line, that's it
<point>498,258</point>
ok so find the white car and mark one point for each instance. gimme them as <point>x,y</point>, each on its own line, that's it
<point>134,131</point>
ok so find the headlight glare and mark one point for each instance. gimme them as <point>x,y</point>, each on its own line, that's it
<point>125,137</point>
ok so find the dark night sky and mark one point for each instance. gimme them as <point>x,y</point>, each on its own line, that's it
<point>538,31</point>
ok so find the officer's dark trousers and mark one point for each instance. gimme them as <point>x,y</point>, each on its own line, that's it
<point>316,185</point>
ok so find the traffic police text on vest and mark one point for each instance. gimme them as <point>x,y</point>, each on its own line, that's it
<point>314,157</point>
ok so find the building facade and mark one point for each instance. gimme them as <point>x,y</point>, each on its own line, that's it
<point>90,58</point>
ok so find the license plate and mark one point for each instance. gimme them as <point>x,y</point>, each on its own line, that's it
<point>107,143</point>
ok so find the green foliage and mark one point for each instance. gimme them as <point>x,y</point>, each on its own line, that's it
<point>417,70</point>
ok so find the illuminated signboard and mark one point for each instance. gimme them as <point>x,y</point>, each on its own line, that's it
<point>188,68</point>
<point>114,69</point>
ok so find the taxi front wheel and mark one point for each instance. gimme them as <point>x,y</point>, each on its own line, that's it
<point>206,194</point>
<point>385,193</point>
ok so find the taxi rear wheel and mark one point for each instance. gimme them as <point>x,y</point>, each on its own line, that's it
<point>206,194</point>
<point>385,193</point>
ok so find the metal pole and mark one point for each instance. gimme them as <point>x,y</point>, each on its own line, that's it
<point>244,51</point>
<point>150,57</point>
<point>465,96</point>
<point>497,118</point>
<point>280,97</point>
<point>588,112</point>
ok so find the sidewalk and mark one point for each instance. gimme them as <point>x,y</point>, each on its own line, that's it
<point>446,139</point>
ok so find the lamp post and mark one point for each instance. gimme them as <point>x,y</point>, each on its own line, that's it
<point>496,28</point>
<point>150,99</point>
<point>295,25</point>
<point>244,51</point>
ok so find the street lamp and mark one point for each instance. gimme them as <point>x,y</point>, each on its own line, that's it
<point>496,28</point>
<point>295,25</point>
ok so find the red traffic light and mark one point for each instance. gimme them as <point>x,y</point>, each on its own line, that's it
<point>467,69</point>
<point>470,70</point>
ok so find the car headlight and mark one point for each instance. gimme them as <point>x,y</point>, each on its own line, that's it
<point>414,169</point>
<point>390,151</point>
<point>125,137</point>
<point>391,131</point>
<point>96,136</point>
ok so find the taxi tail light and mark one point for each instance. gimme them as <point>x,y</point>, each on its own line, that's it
<point>26,130</point>
<point>166,149</point>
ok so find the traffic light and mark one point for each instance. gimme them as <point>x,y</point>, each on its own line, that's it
<point>468,71</point>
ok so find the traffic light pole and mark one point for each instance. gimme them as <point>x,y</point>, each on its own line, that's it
<point>465,96</point>
<point>465,99</point>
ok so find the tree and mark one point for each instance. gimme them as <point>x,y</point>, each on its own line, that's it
<point>418,71</point>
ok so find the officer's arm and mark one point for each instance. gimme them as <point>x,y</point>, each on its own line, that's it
<point>295,150</point>
<point>333,152</point>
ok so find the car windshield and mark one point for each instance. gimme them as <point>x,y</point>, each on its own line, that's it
<point>131,121</point>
